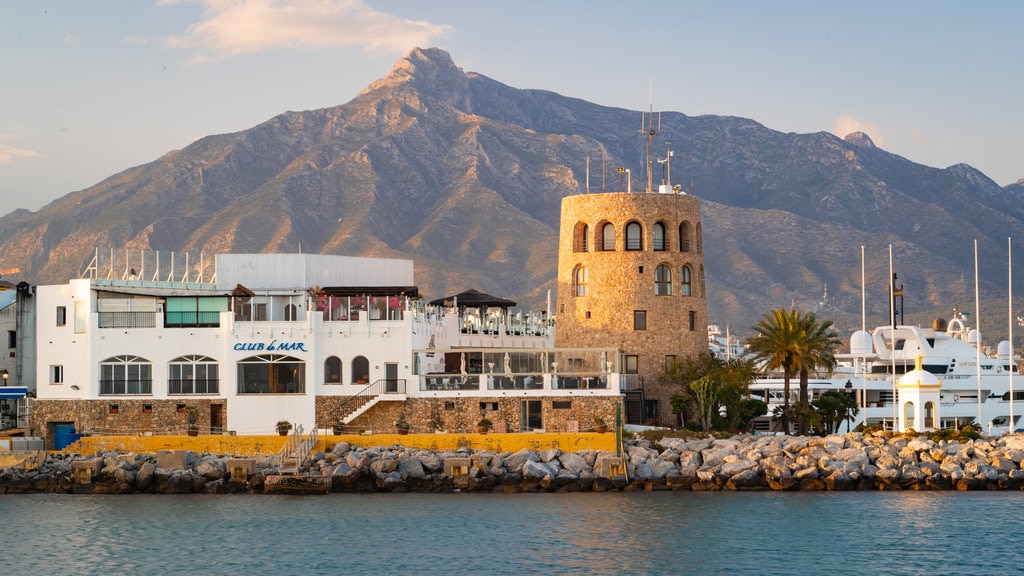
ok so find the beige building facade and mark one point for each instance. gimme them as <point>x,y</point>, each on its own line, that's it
<point>631,276</point>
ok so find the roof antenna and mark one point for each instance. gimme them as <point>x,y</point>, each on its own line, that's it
<point>651,132</point>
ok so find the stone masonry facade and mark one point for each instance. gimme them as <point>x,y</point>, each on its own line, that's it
<point>619,282</point>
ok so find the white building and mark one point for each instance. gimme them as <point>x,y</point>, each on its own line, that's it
<point>312,339</point>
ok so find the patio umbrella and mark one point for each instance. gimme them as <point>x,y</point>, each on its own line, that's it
<point>508,364</point>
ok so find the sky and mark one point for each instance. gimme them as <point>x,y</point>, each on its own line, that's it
<point>89,89</point>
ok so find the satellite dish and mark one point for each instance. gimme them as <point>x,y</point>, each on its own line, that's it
<point>677,187</point>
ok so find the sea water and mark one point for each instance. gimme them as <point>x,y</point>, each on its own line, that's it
<point>579,533</point>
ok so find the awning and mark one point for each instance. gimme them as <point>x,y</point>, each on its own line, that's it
<point>13,392</point>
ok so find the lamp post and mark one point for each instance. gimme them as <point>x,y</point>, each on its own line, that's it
<point>848,391</point>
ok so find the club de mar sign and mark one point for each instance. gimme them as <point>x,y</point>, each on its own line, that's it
<point>272,346</point>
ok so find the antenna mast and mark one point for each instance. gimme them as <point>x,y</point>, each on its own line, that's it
<point>651,132</point>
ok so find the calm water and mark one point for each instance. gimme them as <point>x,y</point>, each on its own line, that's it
<point>642,533</point>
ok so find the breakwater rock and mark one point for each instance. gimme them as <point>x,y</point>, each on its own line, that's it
<point>847,462</point>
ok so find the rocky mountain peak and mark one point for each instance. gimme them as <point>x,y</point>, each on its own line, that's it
<point>429,71</point>
<point>859,139</point>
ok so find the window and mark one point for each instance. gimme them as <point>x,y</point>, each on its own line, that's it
<point>12,339</point>
<point>663,280</point>
<point>579,280</point>
<point>631,364</point>
<point>659,237</point>
<point>360,370</point>
<point>291,313</point>
<point>561,404</point>
<point>639,319</point>
<point>62,315</point>
<point>126,375</point>
<point>700,241</point>
<point>332,370</point>
<point>81,316</point>
<point>684,280</point>
<point>492,406</point>
<point>634,237</point>
<point>684,237</point>
<point>271,374</point>
<point>56,374</point>
<point>670,360</point>
<point>579,241</point>
<point>248,311</point>
<point>193,374</point>
<point>192,312</point>
<point>693,320</point>
<point>608,237</point>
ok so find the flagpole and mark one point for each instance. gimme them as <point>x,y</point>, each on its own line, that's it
<point>864,330</point>
<point>1009,318</point>
<point>892,339</point>
<point>977,318</point>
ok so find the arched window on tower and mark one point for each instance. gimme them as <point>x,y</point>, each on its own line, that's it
<point>663,280</point>
<point>608,237</point>
<point>659,237</point>
<point>634,237</point>
<point>684,279</point>
<point>684,237</point>
<point>579,281</point>
<point>580,238</point>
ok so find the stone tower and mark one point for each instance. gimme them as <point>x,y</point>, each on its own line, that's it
<point>631,275</point>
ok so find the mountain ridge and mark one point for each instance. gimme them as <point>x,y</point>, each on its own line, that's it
<point>465,176</point>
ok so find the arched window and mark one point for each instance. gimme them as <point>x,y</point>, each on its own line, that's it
<point>579,281</point>
<point>332,370</point>
<point>580,238</point>
<point>700,240</point>
<point>929,415</point>
<point>908,415</point>
<point>659,237</point>
<point>193,374</point>
<point>126,375</point>
<point>684,237</point>
<point>608,237</point>
<point>271,374</point>
<point>290,313</point>
<point>634,237</point>
<point>360,370</point>
<point>684,279</point>
<point>663,280</point>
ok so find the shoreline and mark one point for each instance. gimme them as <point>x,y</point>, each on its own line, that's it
<point>741,463</point>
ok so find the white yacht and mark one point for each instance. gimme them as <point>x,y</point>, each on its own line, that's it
<point>975,386</point>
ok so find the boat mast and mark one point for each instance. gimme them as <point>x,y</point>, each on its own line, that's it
<point>977,316</point>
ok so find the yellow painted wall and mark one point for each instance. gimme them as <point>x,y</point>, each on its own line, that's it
<point>269,445</point>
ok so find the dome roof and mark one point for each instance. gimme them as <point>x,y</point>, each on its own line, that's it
<point>919,377</point>
<point>860,343</point>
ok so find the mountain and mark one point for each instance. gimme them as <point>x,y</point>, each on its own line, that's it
<point>465,175</point>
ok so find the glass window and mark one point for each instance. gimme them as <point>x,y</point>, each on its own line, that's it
<point>684,280</point>
<point>579,279</point>
<point>271,374</point>
<point>360,370</point>
<point>580,239</point>
<point>663,280</point>
<point>639,320</point>
<point>291,313</point>
<point>62,315</point>
<point>126,375</point>
<point>634,237</point>
<point>608,237</point>
<point>693,320</point>
<point>332,370</point>
<point>192,312</point>
<point>12,339</point>
<point>193,374</point>
<point>56,374</point>
<point>631,364</point>
<point>659,237</point>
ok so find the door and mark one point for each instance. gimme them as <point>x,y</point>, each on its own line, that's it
<point>216,418</point>
<point>391,378</point>
<point>530,416</point>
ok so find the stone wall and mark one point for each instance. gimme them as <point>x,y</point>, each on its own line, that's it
<point>131,416</point>
<point>460,415</point>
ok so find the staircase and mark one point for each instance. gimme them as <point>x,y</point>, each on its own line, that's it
<point>384,389</point>
<point>295,452</point>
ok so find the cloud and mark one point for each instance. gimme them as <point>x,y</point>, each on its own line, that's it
<point>9,153</point>
<point>845,125</point>
<point>233,27</point>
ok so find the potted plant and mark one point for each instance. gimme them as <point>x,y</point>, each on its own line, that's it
<point>483,425</point>
<point>402,425</point>
<point>283,426</point>
<point>338,428</point>
<point>599,425</point>
<point>192,416</point>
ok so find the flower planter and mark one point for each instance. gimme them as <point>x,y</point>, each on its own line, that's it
<point>482,429</point>
<point>601,429</point>
<point>403,431</point>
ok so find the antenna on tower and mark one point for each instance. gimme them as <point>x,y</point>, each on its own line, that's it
<point>651,132</point>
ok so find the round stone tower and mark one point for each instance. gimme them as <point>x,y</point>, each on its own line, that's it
<point>631,275</point>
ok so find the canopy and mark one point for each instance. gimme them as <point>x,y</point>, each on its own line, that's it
<point>13,392</point>
<point>474,299</point>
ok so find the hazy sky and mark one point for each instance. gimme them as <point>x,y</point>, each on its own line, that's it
<point>88,89</point>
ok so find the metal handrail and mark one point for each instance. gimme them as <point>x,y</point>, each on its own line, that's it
<point>374,389</point>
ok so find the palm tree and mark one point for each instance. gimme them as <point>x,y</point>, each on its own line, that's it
<point>796,343</point>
